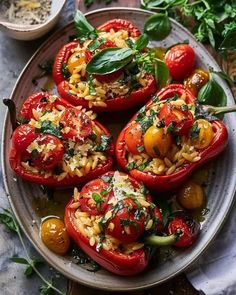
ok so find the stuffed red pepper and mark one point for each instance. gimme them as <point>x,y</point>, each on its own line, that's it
<point>59,145</point>
<point>169,138</point>
<point>120,89</point>
<point>113,219</point>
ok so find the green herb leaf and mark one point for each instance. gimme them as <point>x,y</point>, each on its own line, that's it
<point>48,127</point>
<point>8,219</point>
<point>157,26</point>
<point>131,166</point>
<point>194,131</point>
<point>46,288</point>
<point>65,71</point>
<point>162,74</point>
<point>141,42</point>
<point>109,60</point>
<point>97,197</point>
<point>92,89</point>
<point>104,143</point>
<point>229,42</point>
<point>212,93</point>
<point>96,44</point>
<point>19,260</point>
<point>83,28</point>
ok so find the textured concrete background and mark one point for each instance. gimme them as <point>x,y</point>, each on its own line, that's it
<point>14,55</point>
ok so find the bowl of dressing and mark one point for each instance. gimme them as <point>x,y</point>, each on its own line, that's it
<point>29,19</point>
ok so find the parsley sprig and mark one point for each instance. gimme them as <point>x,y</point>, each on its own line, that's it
<point>8,219</point>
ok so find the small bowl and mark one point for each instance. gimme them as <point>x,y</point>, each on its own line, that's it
<point>31,32</point>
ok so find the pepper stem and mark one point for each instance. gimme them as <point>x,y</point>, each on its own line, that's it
<point>12,110</point>
<point>220,110</point>
<point>161,241</point>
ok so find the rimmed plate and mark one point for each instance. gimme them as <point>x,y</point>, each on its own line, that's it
<point>222,177</point>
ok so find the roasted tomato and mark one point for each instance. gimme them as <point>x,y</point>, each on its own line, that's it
<point>75,124</point>
<point>196,80</point>
<point>157,142</point>
<point>134,139</point>
<point>94,197</point>
<point>54,235</point>
<point>180,60</point>
<point>180,118</point>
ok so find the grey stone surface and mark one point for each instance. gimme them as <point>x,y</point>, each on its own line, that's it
<point>13,57</point>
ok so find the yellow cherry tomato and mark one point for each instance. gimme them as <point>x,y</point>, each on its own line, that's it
<point>191,196</point>
<point>157,142</point>
<point>54,235</point>
<point>198,78</point>
<point>205,135</point>
<point>74,61</point>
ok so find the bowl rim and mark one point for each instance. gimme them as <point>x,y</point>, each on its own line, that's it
<point>31,28</point>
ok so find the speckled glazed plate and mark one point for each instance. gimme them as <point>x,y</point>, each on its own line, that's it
<point>222,176</point>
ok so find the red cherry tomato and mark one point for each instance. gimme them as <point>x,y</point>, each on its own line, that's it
<point>180,60</point>
<point>186,228</point>
<point>93,197</point>
<point>134,138</point>
<point>23,136</point>
<point>182,120</point>
<point>125,225</point>
<point>76,124</point>
<point>46,151</point>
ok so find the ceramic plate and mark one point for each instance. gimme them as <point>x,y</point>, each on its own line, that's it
<point>222,176</point>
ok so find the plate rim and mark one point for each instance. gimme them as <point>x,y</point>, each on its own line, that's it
<point>59,268</point>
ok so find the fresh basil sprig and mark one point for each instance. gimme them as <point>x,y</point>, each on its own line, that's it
<point>83,28</point>
<point>157,26</point>
<point>212,93</point>
<point>162,74</point>
<point>141,42</point>
<point>109,60</point>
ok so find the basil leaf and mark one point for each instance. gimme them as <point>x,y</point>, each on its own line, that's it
<point>229,42</point>
<point>83,27</point>
<point>96,44</point>
<point>141,42</point>
<point>212,94</point>
<point>157,27</point>
<point>161,73</point>
<point>109,60</point>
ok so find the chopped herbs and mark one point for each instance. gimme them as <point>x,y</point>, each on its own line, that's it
<point>97,198</point>
<point>104,143</point>
<point>92,89</point>
<point>65,71</point>
<point>144,164</point>
<point>171,127</point>
<point>106,178</point>
<point>140,148</point>
<point>96,44</point>
<point>131,166</point>
<point>194,131</point>
<point>144,120</point>
<point>48,127</point>
<point>128,222</point>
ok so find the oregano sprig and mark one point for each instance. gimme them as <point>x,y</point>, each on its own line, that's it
<point>8,219</point>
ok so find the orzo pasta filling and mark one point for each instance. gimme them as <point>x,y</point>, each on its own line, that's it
<point>82,143</point>
<point>165,136</point>
<point>112,213</point>
<point>95,88</point>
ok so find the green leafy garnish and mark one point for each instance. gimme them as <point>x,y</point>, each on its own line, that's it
<point>212,93</point>
<point>194,131</point>
<point>8,219</point>
<point>141,42</point>
<point>48,127</point>
<point>96,44</point>
<point>104,143</point>
<point>161,73</point>
<point>92,89</point>
<point>83,28</point>
<point>157,26</point>
<point>65,71</point>
<point>29,270</point>
<point>109,60</point>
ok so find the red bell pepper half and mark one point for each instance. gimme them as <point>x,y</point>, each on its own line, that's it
<point>115,103</point>
<point>166,182</point>
<point>112,220</point>
<point>52,138</point>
